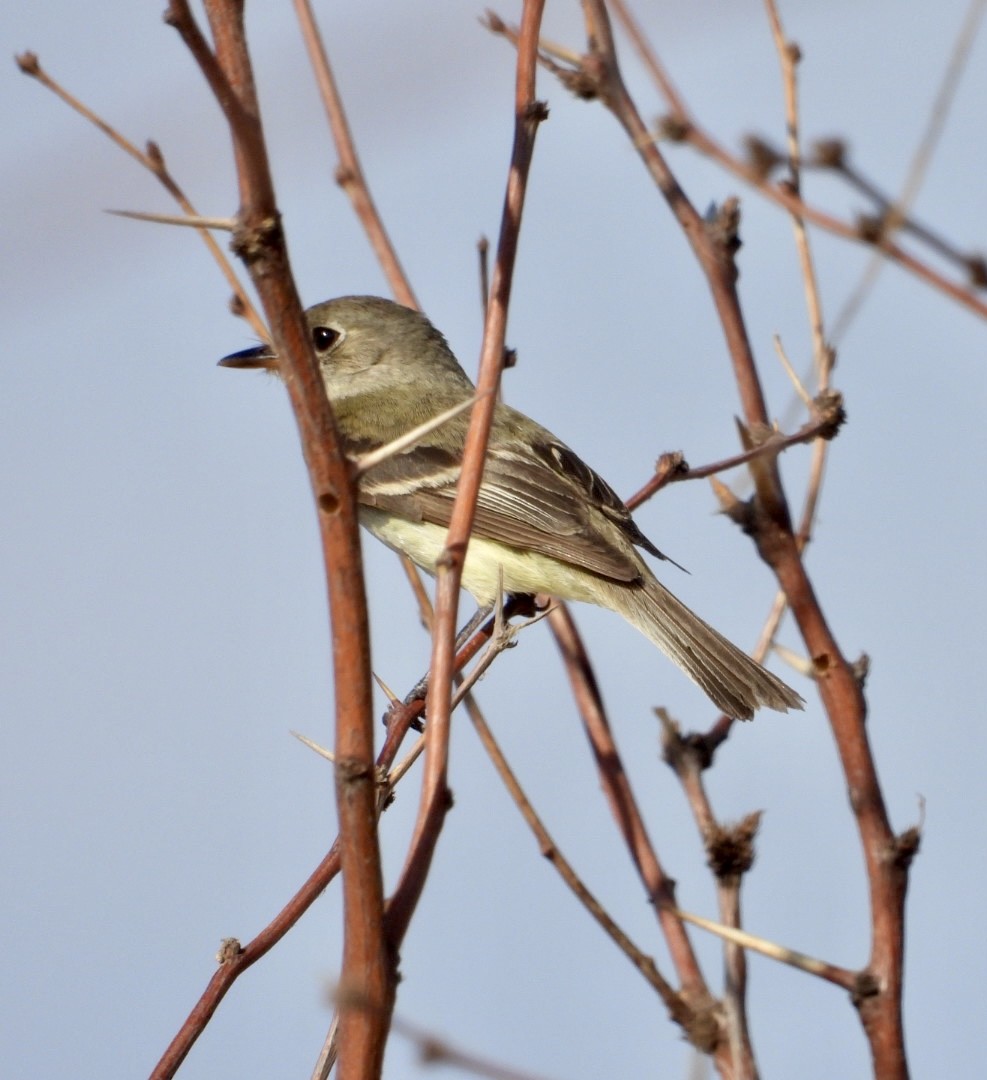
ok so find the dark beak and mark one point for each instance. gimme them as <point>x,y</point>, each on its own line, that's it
<point>261,356</point>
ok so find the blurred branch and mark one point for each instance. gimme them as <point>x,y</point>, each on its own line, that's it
<point>584,80</point>
<point>896,213</point>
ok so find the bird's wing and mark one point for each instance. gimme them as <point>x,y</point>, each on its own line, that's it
<point>542,498</point>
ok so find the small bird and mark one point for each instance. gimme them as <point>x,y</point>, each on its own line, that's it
<point>545,521</point>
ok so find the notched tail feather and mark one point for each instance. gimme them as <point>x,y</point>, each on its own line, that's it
<point>730,678</point>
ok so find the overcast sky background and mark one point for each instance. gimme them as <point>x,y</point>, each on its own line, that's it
<point>164,623</point>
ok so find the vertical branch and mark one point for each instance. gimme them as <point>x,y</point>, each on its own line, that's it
<point>367,972</point>
<point>435,796</point>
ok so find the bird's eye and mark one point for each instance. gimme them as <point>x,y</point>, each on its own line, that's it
<point>324,337</point>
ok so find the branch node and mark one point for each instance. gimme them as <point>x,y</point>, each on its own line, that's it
<point>828,407</point>
<point>865,986</point>
<point>905,847</point>
<point>29,63</point>
<point>682,753</point>
<point>536,112</point>
<point>723,228</point>
<point>230,949</point>
<point>672,128</point>
<point>254,243</point>
<point>583,82</point>
<point>828,154</point>
<point>730,848</point>
<point>976,268</point>
<point>762,158</point>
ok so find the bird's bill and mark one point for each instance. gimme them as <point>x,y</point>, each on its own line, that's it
<point>260,356</point>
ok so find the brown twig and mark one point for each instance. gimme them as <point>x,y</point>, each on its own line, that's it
<point>349,173</point>
<point>703,1030</point>
<point>886,856</point>
<point>153,160</point>
<point>676,1005</point>
<point>729,854</point>
<point>434,798</point>
<point>400,718</point>
<point>897,212</point>
<point>672,469</point>
<point>684,127</point>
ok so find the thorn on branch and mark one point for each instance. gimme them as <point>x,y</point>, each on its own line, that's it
<point>739,511</point>
<point>860,669</point>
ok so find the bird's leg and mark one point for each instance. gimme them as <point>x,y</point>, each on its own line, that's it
<point>513,605</point>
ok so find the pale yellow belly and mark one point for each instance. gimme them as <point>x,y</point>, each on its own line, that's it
<point>523,571</point>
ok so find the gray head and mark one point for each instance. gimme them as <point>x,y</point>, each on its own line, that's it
<point>364,343</point>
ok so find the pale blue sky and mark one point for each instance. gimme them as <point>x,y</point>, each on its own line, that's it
<point>163,619</point>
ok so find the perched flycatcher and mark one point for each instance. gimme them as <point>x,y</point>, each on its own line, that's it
<point>544,519</point>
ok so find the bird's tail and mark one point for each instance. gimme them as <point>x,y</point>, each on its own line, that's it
<point>733,681</point>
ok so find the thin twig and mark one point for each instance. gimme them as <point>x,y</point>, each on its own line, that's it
<point>685,127</point>
<point>409,438</point>
<point>153,160</point>
<point>349,174</point>
<point>678,1009</point>
<point>839,976</point>
<point>671,469</point>
<point>897,213</point>
<point>623,805</point>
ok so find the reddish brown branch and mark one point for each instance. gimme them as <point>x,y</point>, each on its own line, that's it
<point>704,1031</point>
<point>399,719</point>
<point>672,468</point>
<point>367,969</point>
<point>435,797</point>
